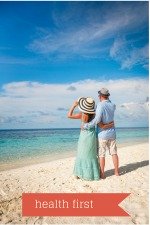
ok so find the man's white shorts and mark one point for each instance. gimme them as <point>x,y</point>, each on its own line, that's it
<point>105,145</point>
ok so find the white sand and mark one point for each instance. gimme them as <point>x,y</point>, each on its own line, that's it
<point>57,176</point>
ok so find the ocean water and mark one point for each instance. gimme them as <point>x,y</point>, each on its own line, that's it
<point>17,145</point>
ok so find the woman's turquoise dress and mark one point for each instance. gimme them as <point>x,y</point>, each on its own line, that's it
<point>87,162</point>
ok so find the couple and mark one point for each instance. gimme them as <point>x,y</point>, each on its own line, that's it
<point>87,162</point>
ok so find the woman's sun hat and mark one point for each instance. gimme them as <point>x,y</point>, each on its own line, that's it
<point>86,105</point>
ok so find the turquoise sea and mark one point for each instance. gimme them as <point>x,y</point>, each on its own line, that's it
<point>48,144</point>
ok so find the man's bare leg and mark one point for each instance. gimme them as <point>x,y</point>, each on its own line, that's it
<point>116,163</point>
<point>102,167</point>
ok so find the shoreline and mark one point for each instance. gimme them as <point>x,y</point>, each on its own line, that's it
<point>15,164</point>
<point>57,177</point>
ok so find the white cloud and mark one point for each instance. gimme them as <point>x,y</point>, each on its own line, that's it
<point>88,38</point>
<point>117,47</point>
<point>129,56</point>
<point>133,113</point>
<point>33,104</point>
<point>137,56</point>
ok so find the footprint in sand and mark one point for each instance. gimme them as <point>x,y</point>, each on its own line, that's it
<point>140,220</point>
<point>85,188</point>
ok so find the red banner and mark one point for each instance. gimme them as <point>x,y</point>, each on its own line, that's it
<point>73,204</point>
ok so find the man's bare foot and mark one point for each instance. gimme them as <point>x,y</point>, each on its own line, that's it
<point>102,176</point>
<point>117,174</point>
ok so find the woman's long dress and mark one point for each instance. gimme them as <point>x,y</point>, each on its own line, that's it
<point>87,162</point>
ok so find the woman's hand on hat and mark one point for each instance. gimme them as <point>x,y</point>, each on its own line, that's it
<point>75,103</point>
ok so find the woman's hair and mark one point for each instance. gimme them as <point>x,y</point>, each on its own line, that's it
<point>90,117</point>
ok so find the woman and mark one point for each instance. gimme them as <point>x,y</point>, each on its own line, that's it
<point>87,163</point>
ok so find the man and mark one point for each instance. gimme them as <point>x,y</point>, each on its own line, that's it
<point>106,137</point>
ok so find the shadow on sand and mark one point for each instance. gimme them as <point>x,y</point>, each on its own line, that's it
<point>128,168</point>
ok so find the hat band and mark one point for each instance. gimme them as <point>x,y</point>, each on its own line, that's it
<point>100,93</point>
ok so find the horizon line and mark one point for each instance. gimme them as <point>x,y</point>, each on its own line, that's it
<point>59,128</point>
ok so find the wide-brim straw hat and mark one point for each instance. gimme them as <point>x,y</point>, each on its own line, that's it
<point>86,105</point>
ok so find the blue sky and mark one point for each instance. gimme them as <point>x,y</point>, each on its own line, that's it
<point>68,43</point>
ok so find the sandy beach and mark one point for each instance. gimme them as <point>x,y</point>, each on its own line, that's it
<point>56,176</point>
